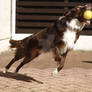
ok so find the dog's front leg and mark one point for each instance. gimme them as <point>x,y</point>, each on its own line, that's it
<point>60,65</point>
<point>60,59</point>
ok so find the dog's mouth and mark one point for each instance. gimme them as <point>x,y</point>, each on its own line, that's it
<point>83,12</point>
<point>89,6</point>
<point>88,22</point>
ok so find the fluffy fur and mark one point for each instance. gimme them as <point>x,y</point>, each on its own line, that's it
<point>58,38</point>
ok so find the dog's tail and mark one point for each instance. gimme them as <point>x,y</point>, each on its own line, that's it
<point>14,43</point>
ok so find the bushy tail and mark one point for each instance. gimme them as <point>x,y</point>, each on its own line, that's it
<point>14,43</point>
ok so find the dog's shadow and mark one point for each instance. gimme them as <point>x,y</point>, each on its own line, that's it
<point>87,62</point>
<point>20,77</point>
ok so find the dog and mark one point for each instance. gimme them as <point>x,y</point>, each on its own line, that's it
<point>59,38</point>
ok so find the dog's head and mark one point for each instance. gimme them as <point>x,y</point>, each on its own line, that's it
<point>78,13</point>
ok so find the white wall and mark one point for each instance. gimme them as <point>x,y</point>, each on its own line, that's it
<point>84,43</point>
<point>4,24</point>
<point>4,19</point>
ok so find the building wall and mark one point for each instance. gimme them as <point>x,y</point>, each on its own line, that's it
<point>4,24</point>
<point>34,23</point>
<point>84,42</point>
<point>4,19</point>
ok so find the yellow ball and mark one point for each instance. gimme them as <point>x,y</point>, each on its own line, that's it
<point>88,14</point>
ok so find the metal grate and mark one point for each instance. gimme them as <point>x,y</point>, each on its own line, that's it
<point>34,15</point>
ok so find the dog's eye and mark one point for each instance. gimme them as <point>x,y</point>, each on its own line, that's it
<point>78,8</point>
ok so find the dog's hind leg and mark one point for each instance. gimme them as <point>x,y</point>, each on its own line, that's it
<point>27,59</point>
<point>16,57</point>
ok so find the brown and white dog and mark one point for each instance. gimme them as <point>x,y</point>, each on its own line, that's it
<point>58,38</point>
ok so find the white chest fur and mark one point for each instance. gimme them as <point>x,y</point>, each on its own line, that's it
<point>70,33</point>
<point>69,38</point>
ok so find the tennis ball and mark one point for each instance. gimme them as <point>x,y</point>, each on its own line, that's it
<point>88,14</point>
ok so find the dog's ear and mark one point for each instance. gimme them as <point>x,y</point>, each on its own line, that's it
<point>70,12</point>
<point>78,7</point>
<point>67,12</point>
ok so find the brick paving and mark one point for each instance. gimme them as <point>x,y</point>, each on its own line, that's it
<point>76,76</point>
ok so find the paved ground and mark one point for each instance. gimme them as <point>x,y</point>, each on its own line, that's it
<point>76,76</point>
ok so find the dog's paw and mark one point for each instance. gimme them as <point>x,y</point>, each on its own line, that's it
<point>55,72</point>
<point>5,70</point>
